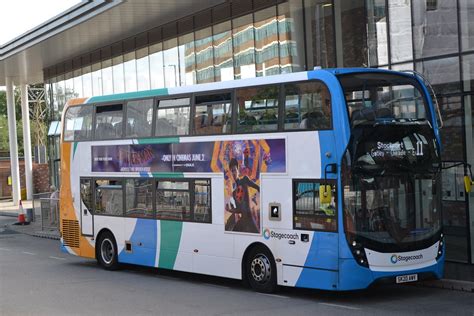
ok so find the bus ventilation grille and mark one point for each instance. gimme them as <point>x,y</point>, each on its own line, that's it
<point>71,233</point>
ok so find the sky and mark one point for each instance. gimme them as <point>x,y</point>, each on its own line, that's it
<point>20,16</point>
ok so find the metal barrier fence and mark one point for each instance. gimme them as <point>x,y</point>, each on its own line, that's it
<point>47,205</point>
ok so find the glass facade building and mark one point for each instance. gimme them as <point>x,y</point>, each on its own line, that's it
<point>244,39</point>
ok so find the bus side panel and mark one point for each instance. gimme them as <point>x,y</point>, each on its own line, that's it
<point>142,236</point>
<point>310,278</point>
<point>70,204</point>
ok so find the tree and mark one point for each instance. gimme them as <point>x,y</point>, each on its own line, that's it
<point>38,118</point>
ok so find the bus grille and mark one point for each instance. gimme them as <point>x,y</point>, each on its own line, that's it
<point>71,233</point>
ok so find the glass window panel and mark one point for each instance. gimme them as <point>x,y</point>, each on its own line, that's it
<point>202,201</point>
<point>171,63</point>
<point>435,28</point>
<point>60,94</point>
<point>143,70</point>
<point>377,32</point>
<point>78,123</point>
<point>290,29</point>
<point>213,118</point>
<point>309,212</point>
<point>401,46</point>
<point>97,80</point>
<point>203,46</point>
<point>307,106</point>
<point>87,81</point>
<point>403,67</point>
<point>354,33</point>
<point>139,198</point>
<point>139,118</point>
<point>443,74</point>
<point>78,83</point>
<point>468,72</point>
<point>319,33</point>
<point>108,197</point>
<point>118,74</point>
<point>157,77</point>
<point>172,117</point>
<point>173,200</point>
<point>54,99</point>
<point>130,69</point>
<point>257,109</point>
<point>267,52</point>
<point>69,87</point>
<point>244,47</point>
<point>107,77</point>
<point>466,16</point>
<point>222,43</point>
<point>187,59</point>
<point>108,121</point>
<point>452,134</point>
<point>86,193</point>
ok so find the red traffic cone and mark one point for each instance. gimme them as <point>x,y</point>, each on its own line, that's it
<point>21,215</point>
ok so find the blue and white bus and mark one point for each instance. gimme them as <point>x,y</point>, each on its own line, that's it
<point>326,179</point>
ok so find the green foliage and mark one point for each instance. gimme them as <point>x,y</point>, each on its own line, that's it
<point>36,125</point>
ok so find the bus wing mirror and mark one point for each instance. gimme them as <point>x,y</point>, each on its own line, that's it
<point>325,194</point>
<point>468,183</point>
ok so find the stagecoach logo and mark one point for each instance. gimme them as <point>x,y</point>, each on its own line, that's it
<point>396,258</point>
<point>267,234</point>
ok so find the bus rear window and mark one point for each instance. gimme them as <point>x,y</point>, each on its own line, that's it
<point>78,123</point>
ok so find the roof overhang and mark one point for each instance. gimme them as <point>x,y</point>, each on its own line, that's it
<point>86,27</point>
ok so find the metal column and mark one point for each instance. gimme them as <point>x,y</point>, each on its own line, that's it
<point>25,114</point>
<point>13,142</point>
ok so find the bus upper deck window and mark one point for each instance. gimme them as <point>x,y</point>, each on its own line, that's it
<point>172,117</point>
<point>257,109</point>
<point>78,123</point>
<point>109,121</point>
<point>139,118</point>
<point>213,114</point>
<point>307,106</point>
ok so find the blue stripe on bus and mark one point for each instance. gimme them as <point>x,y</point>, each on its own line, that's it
<point>143,240</point>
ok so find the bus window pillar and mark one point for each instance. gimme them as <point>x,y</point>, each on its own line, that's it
<point>25,115</point>
<point>15,170</point>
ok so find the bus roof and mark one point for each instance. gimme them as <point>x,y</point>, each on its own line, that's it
<point>222,85</point>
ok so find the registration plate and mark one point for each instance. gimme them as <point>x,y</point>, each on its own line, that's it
<point>407,278</point>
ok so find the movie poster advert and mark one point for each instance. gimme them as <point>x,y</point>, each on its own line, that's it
<point>241,161</point>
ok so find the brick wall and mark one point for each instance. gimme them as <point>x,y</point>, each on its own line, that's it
<point>40,178</point>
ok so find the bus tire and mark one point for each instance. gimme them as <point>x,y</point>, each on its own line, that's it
<point>260,269</point>
<point>106,251</point>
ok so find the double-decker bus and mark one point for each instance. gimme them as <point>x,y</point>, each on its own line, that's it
<point>326,179</point>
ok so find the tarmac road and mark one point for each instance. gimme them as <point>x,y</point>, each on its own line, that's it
<point>37,279</point>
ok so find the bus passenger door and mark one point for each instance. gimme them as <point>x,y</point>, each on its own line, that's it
<point>87,219</point>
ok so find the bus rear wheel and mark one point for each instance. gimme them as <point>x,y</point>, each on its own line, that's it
<point>106,251</point>
<point>261,270</point>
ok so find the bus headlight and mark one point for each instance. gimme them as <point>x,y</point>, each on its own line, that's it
<point>359,253</point>
<point>440,247</point>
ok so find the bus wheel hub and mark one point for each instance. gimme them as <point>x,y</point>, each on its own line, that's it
<point>260,268</point>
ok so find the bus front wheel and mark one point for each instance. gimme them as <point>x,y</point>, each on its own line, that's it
<point>261,270</point>
<point>106,251</point>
